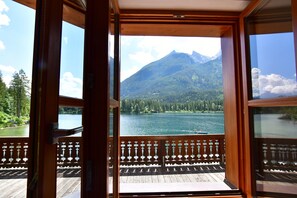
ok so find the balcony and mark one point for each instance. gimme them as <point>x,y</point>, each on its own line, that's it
<point>156,159</point>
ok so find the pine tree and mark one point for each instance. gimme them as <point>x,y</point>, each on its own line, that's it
<point>4,97</point>
<point>19,91</point>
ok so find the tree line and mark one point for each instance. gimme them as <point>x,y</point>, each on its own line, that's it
<point>15,100</point>
<point>155,106</point>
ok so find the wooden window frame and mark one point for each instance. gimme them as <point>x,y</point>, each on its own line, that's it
<point>273,21</point>
<point>231,29</point>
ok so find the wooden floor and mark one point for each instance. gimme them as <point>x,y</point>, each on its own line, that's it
<point>70,186</point>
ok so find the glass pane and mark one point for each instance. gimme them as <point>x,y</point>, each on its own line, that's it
<point>272,54</point>
<point>111,67</point>
<point>17,23</point>
<point>275,146</point>
<point>172,115</point>
<point>69,154</point>
<point>71,73</point>
<point>110,144</point>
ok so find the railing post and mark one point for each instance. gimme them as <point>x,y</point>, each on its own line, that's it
<point>162,154</point>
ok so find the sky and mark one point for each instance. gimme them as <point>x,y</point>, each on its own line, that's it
<point>273,70</point>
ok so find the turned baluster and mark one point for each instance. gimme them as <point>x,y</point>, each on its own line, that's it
<point>217,155</point>
<point>192,149</point>
<point>70,147</point>
<point>173,150</point>
<point>129,145</point>
<point>11,149</point>
<point>62,148</point>
<point>186,150</point>
<point>25,146</point>
<point>136,151</point>
<point>149,157</point>
<point>156,150</point>
<point>167,150</point>
<point>294,155</point>
<point>142,151</point>
<point>210,149</point>
<point>204,149</point>
<point>4,148</point>
<point>77,146</point>
<point>18,147</point>
<point>123,151</point>
<point>198,150</point>
<point>180,144</point>
<point>273,156</point>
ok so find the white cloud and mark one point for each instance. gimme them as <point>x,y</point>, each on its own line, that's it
<point>129,72</point>
<point>4,19</point>
<point>70,85</point>
<point>272,84</point>
<point>7,72</point>
<point>2,46</point>
<point>142,57</point>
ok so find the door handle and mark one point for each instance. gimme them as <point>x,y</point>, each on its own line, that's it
<point>56,133</point>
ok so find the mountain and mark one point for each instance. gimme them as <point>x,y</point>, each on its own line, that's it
<point>177,77</point>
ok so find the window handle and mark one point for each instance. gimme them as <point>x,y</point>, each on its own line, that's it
<point>56,133</point>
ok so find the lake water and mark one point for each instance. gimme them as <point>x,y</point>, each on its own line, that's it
<point>266,125</point>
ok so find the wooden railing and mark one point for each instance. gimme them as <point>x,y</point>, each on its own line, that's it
<point>14,152</point>
<point>165,150</point>
<point>272,154</point>
<point>134,150</point>
<point>276,154</point>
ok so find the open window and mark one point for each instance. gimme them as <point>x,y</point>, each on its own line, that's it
<point>272,91</point>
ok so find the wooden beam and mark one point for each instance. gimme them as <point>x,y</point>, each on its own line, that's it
<point>70,102</point>
<point>294,26</point>
<point>230,108</point>
<point>96,101</point>
<point>274,102</point>
<point>44,98</point>
<point>247,176</point>
<point>178,29</point>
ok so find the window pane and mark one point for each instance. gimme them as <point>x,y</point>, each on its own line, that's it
<point>71,73</point>
<point>69,152</point>
<point>17,24</point>
<point>172,115</point>
<point>275,146</point>
<point>272,55</point>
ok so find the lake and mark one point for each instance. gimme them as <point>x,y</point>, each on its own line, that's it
<point>266,125</point>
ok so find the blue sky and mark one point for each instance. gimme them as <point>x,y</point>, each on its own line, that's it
<point>273,66</point>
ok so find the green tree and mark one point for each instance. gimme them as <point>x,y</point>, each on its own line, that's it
<point>4,97</point>
<point>19,91</point>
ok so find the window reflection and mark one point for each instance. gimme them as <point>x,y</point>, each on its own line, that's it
<point>71,74</point>
<point>272,54</point>
<point>275,146</point>
<point>273,65</point>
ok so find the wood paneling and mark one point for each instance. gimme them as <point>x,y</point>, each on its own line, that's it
<point>273,102</point>
<point>294,24</point>
<point>70,102</point>
<point>44,98</point>
<point>96,100</point>
<point>230,108</point>
<point>155,29</point>
<point>247,179</point>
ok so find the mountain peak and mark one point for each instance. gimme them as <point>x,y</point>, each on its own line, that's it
<point>199,58</point>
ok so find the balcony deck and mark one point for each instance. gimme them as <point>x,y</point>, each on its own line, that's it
<point>156,163</point>
<point>13,181</point>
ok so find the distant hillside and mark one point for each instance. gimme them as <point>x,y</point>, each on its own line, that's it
<point>177,77</point>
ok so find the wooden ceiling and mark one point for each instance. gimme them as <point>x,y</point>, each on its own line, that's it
<point>163,17</point>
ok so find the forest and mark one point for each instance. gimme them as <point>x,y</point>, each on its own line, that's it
<point>138,106</point>
<point>15,100</point>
